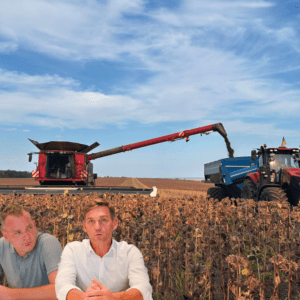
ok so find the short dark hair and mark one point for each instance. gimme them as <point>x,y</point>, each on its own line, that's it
<point>98,203</point>
<point>11,210</point>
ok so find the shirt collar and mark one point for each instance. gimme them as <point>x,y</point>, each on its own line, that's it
<point>113,247</point>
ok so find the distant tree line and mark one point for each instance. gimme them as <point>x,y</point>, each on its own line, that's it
<point>14,174</point>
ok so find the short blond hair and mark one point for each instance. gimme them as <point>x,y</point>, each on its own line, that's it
<point>11,210</point>
<point>98,203</point>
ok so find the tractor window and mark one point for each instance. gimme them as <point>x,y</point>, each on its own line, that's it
<point>260,161</point>
<point>283,161</point>
<point>58,166</point>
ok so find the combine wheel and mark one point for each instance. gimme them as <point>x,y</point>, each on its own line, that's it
<point>216,193</point>
<point>248,189</point>
<point>273,194</point>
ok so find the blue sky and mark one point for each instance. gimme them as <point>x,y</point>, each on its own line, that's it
<point>123,71</point>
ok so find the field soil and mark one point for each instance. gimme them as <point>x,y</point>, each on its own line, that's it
<point>160,183</point>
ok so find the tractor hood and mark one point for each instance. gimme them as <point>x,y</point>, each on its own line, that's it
<point>289,175</point>
<point>55,145</point>
<point>292,172</point>
<point>292,177</point>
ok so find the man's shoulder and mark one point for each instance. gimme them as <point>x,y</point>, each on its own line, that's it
<point>125,244</point>
<point>124,247</point>
<point>49,241</point>
<point>76,249</point>
<point>77,245</point>
<point>3,244</point>
<point>44,237</point>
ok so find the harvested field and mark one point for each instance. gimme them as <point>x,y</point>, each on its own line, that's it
<point>194,248</point>
<point>18,181</point>
<point>134,182</point>
<point>176,184</point>
<point>105,181</point>
<point>170,184</point>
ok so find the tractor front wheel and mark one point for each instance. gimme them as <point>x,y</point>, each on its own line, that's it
<point>216,193</point>
<point>273,194</point>
<point>248,189</point>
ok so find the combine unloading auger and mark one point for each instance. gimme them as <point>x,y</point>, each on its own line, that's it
<point>67,163</point>
<point>166,138</point>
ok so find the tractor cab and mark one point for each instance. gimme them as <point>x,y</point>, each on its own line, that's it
<point>282,160</point>
<point>279,158</point>
<point>274,162</point>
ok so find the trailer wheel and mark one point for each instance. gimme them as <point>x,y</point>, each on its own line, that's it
<point>248,189</point>
<point>216,193</point>
<point>273,194</point>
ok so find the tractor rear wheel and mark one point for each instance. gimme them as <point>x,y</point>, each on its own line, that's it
<point>216,193</point>
<point>273,194</point>
<point>248,189</point>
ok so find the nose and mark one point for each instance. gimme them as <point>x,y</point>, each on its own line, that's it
<point>27,236</point>
<point>97,225</point>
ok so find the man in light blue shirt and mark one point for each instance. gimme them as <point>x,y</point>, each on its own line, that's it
<point>100,266</point>
<point>28,258</point>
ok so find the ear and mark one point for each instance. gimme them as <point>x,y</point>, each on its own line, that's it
<point>84,226</point>
<point>34,223</point>
<point>115,223</point>
<point>4,233</point>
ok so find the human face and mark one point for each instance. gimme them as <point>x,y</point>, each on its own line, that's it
<point>20,232</point>
<point>99,225</point>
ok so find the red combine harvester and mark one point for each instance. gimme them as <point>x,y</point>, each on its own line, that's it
<point>67,166</point>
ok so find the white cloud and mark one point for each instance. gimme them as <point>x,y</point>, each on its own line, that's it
<point>92,30</point>
<point>238,127</point>
<point>22,80</point>
<point>165,98</point>
<point>7,47</point>
<point>66,29</point>
<point>206,60</point>
<point>8,129</point>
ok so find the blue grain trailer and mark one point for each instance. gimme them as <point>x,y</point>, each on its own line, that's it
<point>269,174</point>
<point>228,175</point>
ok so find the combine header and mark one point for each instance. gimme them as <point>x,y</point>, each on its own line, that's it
<point>69,164</point>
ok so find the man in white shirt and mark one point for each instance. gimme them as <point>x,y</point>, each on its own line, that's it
<point>100,267</point>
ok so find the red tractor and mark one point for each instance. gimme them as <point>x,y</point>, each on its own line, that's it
<point>277,178</point>
<point>63,163</point>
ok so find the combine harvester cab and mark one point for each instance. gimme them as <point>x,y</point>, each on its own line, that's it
<point>63,163</point>
<point>66,166</point>
<point>269,174</point>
